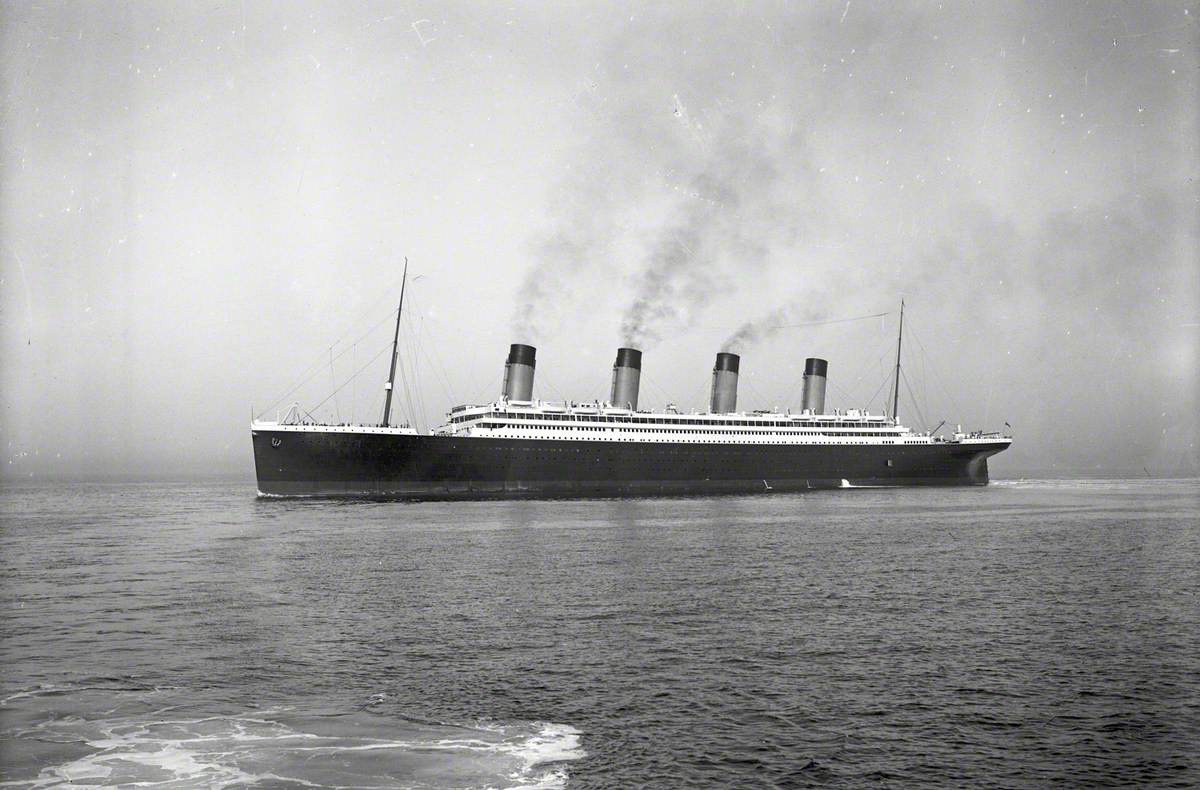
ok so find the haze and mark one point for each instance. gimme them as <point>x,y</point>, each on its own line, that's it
<point>202,204</point>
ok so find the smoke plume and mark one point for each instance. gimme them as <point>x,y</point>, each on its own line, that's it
<point>733,212</point>
<point>685,182</point>
<point>777,320</point>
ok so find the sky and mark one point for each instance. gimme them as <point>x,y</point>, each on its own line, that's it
<point>205,209</point>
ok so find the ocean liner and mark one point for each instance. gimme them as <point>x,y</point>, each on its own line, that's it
<point>518,446</point>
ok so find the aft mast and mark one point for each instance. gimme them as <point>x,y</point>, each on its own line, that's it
<point>391,382</point>
<point>896,391</point>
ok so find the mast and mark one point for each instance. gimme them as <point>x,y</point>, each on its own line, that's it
<point>896,391</point>
<point>391,382</point>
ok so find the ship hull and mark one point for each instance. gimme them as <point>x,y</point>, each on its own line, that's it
<point>331,464</point>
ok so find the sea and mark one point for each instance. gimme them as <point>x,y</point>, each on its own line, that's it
<point>1031,633</point>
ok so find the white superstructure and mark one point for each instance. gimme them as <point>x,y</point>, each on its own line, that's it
<point>601,422</point>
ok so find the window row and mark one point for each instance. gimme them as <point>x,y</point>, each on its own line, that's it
<point>672,421</point>
<point>680,432</point>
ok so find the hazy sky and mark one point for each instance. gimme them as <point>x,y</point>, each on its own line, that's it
<point>205,203</point>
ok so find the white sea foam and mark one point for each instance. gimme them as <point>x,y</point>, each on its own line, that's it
<point>145,761</point>
<point>542,754</point>
<point>553,743</point>
<point>152,750</point>
<point>1089,483</point>
<point>182,753</point>
<point>537,752</point>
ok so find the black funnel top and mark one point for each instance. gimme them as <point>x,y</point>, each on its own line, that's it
<point>628,358</point>
<point>727,361</point>
<point>815,367</point>
<point>521,354</point>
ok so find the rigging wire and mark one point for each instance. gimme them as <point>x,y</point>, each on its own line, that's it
<point>439,376</point>
<point>887,377</point>
<point>415,402</point>
<point>339,355</point>
<point>436,362</point>
<point>882,384</point>
<point>924,359</point>
<point>352,377</point>
<point>886,345</point>
<point>466,363</point>
<point>603,385</point>
<point>796,388</point>
<point>316,365</point>
<point>703,397</point>
<point>473,373</point>
<point>937,377</point>
<point>845,395</point>
<point>756,392</point>
<point>825,322</point>
<point>407,374</point>
<point>417,345</point>
<point>545,381</point>
<point>795,391</point>
<point>662,392</point>
<point>497,383</point>
<point>916,407</point>
<point>406,403</point>
<point>415,366</point>
<point>337,409</point>
<point>404,380</point>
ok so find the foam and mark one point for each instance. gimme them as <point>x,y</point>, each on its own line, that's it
<point>153,748</point>
<point>552,744</point>
<point>143,754</point>
<point>1089,483</point>
<point>546,749</point>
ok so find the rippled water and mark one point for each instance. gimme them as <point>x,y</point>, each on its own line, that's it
<point>1028,633</point>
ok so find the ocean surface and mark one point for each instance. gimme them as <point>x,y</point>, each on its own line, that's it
<point>1031,633</point>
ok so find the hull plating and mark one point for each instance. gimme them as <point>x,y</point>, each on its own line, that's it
<point>290,463</point>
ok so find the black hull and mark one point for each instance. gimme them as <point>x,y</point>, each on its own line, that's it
<point>334,464</point>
